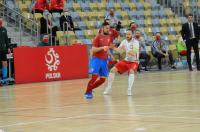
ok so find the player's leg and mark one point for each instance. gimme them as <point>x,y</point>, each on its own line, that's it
<point>4,66</point>
<point>119,67</point>
<point>95,72</point>
<point>111,78</point>
<point>103,73</point>
<point>131,78</point>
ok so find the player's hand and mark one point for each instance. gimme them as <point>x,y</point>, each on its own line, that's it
<point>131,53</point>
<point>105,48</point>
<point>112,46</point>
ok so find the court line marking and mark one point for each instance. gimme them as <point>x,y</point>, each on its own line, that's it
<point>86,105</point>
<point>90,115</point>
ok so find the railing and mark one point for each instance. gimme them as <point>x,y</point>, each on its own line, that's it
<point>25,26</point>
<point>66,26</point>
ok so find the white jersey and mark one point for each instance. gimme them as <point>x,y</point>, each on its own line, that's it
<point>133,45</point>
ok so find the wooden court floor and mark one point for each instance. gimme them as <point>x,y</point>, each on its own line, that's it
<point>162,102</point>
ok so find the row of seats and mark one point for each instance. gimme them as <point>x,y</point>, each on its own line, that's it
<point>89,14</point>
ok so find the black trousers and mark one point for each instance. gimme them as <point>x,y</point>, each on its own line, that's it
<point>159,56</point>
<point>146,57</point>
<point>189,44</point>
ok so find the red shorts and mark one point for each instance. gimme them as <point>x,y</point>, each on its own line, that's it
<point>124,66</point>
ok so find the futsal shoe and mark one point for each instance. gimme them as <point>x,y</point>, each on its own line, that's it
<point>4,82</point>
<point>129,93</point>
<point>88,95</point>
<point>107,91</point>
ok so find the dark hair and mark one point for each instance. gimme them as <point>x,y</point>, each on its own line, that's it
<point>189,15</point>
<point>129,30</point>
<point>105,24</point>
<point>131,24</point>
<point>159,33</point>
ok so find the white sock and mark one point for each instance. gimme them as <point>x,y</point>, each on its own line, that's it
<point>131,79</point>
<point>192,57</point>
<point>111,78</point>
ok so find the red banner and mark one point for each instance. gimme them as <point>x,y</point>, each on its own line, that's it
<point>40,64</point>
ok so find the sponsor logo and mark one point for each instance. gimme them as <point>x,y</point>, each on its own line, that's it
<point>52,63</point>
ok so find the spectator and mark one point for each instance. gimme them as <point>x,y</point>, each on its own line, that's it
<point>4,50</point>
<point>160,50</point>
<point>45,41</point>
<point>113,21</point>
<point>55,26</point>
<point>143,51</point>
<point>190,34</point>
<point>66,18</point>
<point>39,6</point>
<point>44,28</point>
<point>56,6</point>
<point>133,26</point>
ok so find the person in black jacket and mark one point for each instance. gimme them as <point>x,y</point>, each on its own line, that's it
<point>190,34</point>
<point>43,24</point>
<point>66,18</point>
<point>4,50</point>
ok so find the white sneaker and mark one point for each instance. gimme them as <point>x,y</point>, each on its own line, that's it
<point>129,93</point>
<point>107,91</point>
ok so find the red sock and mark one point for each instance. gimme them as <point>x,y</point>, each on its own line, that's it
<point>91,82</point>
<point>98,83</point>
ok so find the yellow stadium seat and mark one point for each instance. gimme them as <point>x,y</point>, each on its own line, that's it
<point>147,5</point>
<point>92,16</point>
<point>132,6</point>
<point>90,24</point>
<point>148,22</point>
<point>76,6</point>
<point>163,22</point>
<point>101,6</point>
<point>100,15</point>
<point>37,16</point>
<point>148,31</point>
<point>163,30</point>
<point>170,22</point>
<point>93,6</point>
<point>124,15</point>
<point>147,14</point>
<point>83,16</point>
<point>178,28</point>
<point>173,39</point>
<point>127,1</point>
<point>89,34</point>
<point>125,23</point>
<point>117,6</point>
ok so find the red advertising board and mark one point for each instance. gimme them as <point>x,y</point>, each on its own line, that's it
<point>41,64</point>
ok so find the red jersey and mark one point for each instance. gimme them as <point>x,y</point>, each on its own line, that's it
<point>41,5</point>
<point>57,5</point>
<point>113,33</point>
<point>99,41</point>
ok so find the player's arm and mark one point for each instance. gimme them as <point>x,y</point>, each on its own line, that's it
<point>95,46</point>
<point>98,49</point>
<point>120,49</point>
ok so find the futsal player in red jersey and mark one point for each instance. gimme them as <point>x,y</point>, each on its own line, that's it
<point>99,68</point>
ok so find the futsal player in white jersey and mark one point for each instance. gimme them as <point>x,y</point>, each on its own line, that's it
<point>129,64</point>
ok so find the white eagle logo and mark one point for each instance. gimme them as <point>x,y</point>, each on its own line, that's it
<point>52,60</point>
